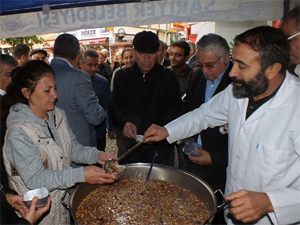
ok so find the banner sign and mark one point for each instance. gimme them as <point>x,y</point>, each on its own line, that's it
<point>141,13</point>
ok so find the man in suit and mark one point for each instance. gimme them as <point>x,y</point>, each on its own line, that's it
<point>290,25</point>
<point>89,64</point>
<point>211,78</point>
<point>75,92</point>
<point>192,56</point>
<point>161,59</point>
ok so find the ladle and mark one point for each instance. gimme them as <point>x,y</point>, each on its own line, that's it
<point>148,176</point>
<point>109,161</point>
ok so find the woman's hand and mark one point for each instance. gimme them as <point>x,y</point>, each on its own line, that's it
<point>103,157</point>
<point>33,213</point>
<point>96,175</point>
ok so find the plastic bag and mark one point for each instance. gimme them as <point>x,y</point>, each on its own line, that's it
<point>190,146</point>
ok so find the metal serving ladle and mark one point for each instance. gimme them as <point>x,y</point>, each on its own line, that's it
<point>138,138</point>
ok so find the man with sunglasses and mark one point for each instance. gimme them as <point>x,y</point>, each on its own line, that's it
<point>209,79</point>
<point>290,25</point>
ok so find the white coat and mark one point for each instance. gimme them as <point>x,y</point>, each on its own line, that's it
<point>264,150</point>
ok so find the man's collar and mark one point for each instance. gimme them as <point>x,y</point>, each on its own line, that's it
<point>64,60</point>
<point>185,67</point>
<point>297,70</point>
<point>2,92</point>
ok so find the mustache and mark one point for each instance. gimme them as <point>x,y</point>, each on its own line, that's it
<point>237,81</point>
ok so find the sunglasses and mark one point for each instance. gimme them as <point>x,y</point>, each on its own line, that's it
<point>208,66</point>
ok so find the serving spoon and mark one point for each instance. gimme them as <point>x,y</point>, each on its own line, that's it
<point>109,161</point>
<point>152,162</point>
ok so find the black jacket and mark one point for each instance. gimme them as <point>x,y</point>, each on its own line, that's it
<point>212,139</point>
<point>144,100</point>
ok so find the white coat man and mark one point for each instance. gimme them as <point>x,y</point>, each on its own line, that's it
<point>262,110</point>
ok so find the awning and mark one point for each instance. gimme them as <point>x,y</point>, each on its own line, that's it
<point>138,12</point>
<point>93,41</point>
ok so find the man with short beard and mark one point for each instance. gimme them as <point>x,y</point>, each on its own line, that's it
<point>179,53</point>
<point>262,110</point>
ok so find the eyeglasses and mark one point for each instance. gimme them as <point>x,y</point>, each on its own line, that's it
<point>177,55</point>
<point>208,66</point>
<point>289,38</point>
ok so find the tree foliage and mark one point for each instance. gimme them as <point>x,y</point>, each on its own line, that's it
<point>30,41</point>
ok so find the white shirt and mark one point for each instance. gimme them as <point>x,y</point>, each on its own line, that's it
<point>2,92</point>
<point>264,150</point>
<point>297,70</point>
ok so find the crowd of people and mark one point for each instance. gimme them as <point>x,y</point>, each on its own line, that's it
<point>241,108</point>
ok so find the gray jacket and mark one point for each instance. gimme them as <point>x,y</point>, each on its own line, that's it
<point>77,98</point>
<point>34,159</point>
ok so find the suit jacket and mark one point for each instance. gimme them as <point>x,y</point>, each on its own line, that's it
<point>77,98</point>
<point>212,139</point>
<point>192,61</point>
<point>166,62</point>
<point>102,91</point>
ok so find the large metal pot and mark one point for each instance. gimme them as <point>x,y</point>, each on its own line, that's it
<point>140,170</point>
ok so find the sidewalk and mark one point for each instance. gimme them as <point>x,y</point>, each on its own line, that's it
<point>111,146</point>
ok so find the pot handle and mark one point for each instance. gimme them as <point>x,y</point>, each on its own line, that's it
<point>68,191</point>
<point>221,197</point>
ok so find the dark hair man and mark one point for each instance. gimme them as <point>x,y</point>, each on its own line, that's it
<point>75,93</point>
<point>179,53</point>
<point>89,64</point>
<point>262,110</point>
<point>39,54</point>
<point>290,25</point>
<point>161,55</point>
<point>144,93</point>
<point>7,65</point>
<point>22,54</point>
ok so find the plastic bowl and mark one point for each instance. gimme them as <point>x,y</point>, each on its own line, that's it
<point>118,175</point>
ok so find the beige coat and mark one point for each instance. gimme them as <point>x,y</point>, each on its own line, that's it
<point>52,158</point>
